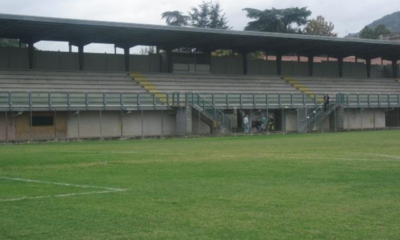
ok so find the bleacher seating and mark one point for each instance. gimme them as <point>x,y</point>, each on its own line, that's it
<point>43,81</point>
<point>349,85</point>
<point>183,83</point>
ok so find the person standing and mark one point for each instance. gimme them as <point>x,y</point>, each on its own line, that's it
<point>258,125</point>
<point>264,122</point>
<point>327,100</point>
<point>246,124</point>
<point>271,124</point>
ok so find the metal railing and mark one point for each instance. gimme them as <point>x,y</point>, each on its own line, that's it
<point>319,114</point>
<point>10,101</point>
<point>212,112</point>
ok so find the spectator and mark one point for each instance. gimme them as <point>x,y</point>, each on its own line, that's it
<point>258,125</point>
<point>271,124</point>
<point>327,100</point>
<point>264,123</point>
<point>246,124</point>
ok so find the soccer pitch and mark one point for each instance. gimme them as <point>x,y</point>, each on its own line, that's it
<point>322,186</point>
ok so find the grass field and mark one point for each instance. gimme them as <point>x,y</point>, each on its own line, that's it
<point>324,186</point>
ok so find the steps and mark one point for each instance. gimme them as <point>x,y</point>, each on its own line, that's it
<point>148,86</point>
<point>302,88</point>
<point>211,115</point>
<point>319,115</point>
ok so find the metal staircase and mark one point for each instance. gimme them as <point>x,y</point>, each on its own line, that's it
<point>210,114</point>
<point>319,115</point>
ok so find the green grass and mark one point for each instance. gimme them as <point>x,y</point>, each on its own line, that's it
<point>324,186</point>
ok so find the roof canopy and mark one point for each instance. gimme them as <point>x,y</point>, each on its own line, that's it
<point>83,32</point>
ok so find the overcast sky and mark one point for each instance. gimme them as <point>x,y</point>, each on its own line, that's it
<point>349,16</point>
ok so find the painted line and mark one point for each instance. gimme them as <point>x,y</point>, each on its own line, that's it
<point>57,196</point>
<point>105,189</point>
<point>63,184</point>
<point>382,155</point>
<point>111,152</point>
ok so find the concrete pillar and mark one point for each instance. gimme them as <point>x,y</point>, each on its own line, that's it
<point>235,118</point>
<point>311,65</point>
<point>368,66</point>
<point>126,58</point>
<point>30,54</point>
<point>339,118</point>
<point>340,65</point>
<point>245,61</point>
<point>395,68</point>
<point>81,57</point>
<point>279,64</point>
<point>184,120</point>
<point>169,61</point>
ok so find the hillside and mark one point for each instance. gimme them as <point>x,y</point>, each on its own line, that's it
<point>391,21</point>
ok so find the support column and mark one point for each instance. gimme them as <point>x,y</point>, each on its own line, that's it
<point>311,65</point>
<point>170,66</point>
<point>126,58</point>
<point>235,119</point>
<point>340,66</point>
<point>184,120</point>
<point>30,53</point>
<point>81,57</point>
<point>245,62</point>
<point>368,66</point>
<point>395,68</point>
<point>339,118</point>
<point>279,63</point>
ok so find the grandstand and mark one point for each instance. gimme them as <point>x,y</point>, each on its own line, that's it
<point>68,95</point>
<point>67,81</point>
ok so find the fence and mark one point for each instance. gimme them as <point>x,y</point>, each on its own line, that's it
<point>24,101</point>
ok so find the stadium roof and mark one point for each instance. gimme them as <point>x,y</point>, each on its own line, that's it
<point>82,32</point>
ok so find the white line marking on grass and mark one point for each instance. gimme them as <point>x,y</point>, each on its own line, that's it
<point>382,155</point>
<point>107,189</point>
<point>62,184</point>
<point>57,196</point>
<point>113,152</point>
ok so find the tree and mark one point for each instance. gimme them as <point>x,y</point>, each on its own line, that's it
<point>148,50</point>
<point>175,18</point>
<point>320,27</point>
<point>381,30</point>
<point>205,15</point>
<point>287,20</point>
<point>199,16</point>
<point>369,33</point>
<point>10,43</point>
<point>217,18</point>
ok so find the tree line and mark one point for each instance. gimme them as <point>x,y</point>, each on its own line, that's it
<point>289,20</point>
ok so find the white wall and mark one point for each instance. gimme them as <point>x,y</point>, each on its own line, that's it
<point>355,119</point>
<point>7,132</point>
<point>291,120</point>
<point>153,124</point>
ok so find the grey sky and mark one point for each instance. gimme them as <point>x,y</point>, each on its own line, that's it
<point>347,15</point>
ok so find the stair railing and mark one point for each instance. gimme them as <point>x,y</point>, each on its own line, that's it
<point>211,111</point>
